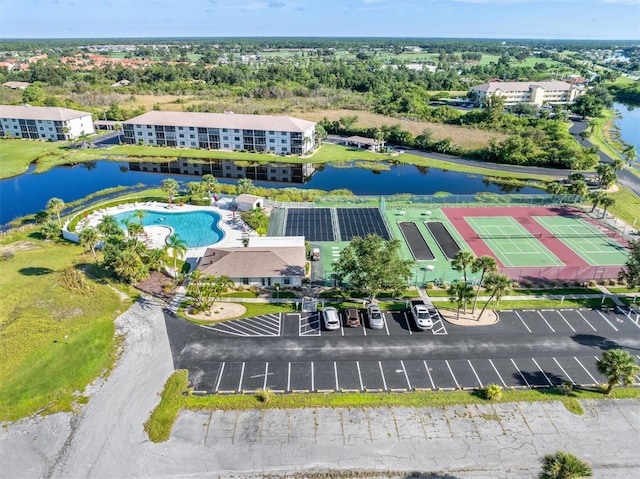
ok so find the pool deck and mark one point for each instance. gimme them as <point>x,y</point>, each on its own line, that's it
<point>232,225</point>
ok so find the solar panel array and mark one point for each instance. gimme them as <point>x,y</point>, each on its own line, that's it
<point>361,222</point>
<point>312,223</point>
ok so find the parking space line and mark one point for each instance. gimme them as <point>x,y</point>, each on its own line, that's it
<point>241,376</point>
<point>520,373</point>
<point>364,328</point>
<point>564,372</point>
<point>266,374</point>
<point>360,376</point>
<point>522,320</point>
<point>542,371</point>
<point>288,376</point>
<point>565,320</point>
<point>499,375</point>
<point>585,320</point>
<point>408,325</point>
<point>313,388</point>
<point>433,386</point>
<point>384,381</point>
<point>280,324</point>
<point>241,329</point>
<point>404,370</point>
<point>608,322</point>
<point>452,375</point>
<point>256,325</point>
<point>595,381</point>
<point>219,377</point>
<point>384,320</point>
<point>545,320</point>
<point>475,374</point>
<point>335,373</point>
<point>341,328</point>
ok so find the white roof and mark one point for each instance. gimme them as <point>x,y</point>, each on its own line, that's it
<point>222,120</point>
<point>26,112</point>
<point>522,86</point>
<point>247,198</point>
<point>276,241</point>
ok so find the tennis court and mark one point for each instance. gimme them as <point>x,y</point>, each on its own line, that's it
<point>591,244</point>
<point>512,243</point>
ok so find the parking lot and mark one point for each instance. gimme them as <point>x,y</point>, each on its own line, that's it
<point>588,332</point>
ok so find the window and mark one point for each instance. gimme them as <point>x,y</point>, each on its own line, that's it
<point>192,136</point>
<point>41,128</point>
<point>236,138</point>
<point>236,131</point>
<point>284,150</point>
<point>50,129</point>
<point>181,135</point>
<point>193,143</point>
<point>283,141</point>
<point>180,128</point>
<point>272,148</point>
<point>224,130</point>
<point>272,140</point>
<point>272,132</point>
<point>225,138</point>
<point>39,121</point>
<point>245,280</point>
<point>190,128</point>
<point>150,133</point>
<point>226,145</point>
<point>286,280</point>
<point>139,133</point>
<point>182,143</point>
<point>149,126</point>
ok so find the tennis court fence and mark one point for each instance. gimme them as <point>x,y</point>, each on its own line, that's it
<point>539,235</point>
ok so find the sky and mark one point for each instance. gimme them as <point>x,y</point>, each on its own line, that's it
<point>546,19</point>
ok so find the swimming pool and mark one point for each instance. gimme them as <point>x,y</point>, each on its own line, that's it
<point>196,228</point>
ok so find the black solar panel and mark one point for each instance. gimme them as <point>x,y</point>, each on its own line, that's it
<point>312,223</point>
<point>361,222</point>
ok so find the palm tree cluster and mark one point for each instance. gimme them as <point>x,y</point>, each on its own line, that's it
<point>205,290</point>
<point>126,255</point>
<point>460,292</point>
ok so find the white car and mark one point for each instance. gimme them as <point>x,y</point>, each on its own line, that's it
<point>422,316</point>
<point>376,321</point>
<point>331,318</point>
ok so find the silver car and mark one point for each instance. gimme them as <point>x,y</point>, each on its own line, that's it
<point>376,320</point>
<point>331,318</point>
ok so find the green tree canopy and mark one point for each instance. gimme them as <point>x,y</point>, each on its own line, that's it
<point>371,265</point>
<point>33,95</point>
<point>631,271</point>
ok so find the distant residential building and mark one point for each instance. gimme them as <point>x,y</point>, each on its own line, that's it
<point>537,93</point>
<point>363,142</point>
<point>16,85</point>
<point>44,122</point>
<point>222,131</point>
<point>120,83</point>
<point>265,261</point>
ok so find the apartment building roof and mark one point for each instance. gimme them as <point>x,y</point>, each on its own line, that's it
<point>222,120</point>
<point>254,262</point>
<point>522,86</point>
<point>26,112</point>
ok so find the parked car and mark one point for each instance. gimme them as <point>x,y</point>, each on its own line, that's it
<point>331,318</point>
<point>422,316</point>
<point>353,318</point>
<point>376,321</point>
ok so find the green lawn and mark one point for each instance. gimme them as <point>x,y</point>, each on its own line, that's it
<point>627,206</point>
<point>55,340</point>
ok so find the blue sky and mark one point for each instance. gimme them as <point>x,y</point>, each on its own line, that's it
<point>571,19</point>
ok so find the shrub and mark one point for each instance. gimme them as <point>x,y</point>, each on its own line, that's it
<point>430,285</point>
<point>515,285</point>
<point>566,388</point>
<point>264,396</point>
<point>6,255</point>
<point>592,283</point>
<point>492,392</point>
<point>528,284</point>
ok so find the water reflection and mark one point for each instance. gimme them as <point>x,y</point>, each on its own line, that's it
<point>279,172</point>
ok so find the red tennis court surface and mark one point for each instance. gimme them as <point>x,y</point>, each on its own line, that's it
<point>574,269</point>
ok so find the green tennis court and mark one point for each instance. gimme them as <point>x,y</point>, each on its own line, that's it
<point>511,242</point>
<point>591,244</point>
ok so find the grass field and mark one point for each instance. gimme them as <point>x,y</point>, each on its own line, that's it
<point>55,340</point>
<point>627,206</point>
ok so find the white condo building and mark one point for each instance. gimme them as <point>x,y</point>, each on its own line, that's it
<point>281,135</point>
<point>537,93</point>
<point>44,122</point>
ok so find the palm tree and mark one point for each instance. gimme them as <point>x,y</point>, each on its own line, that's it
<point>631,154</point>
<point>564,465</point>
<point>460,293</point>
<point>56,205</point>
<point>210,184</point>
<point>555,189</point>
<point>498,285</point>
<point>220,286</point>
<point>461,261</point>
<point>618,164</point>
<point>579,188</point>
<point>139,215</point>
<point>195,189</point>
<point>244,185</point>
<point>584,134</point>
<point>109,226</point>
<point>178,248</point>
<point>89,238</point>
<point>486,264</point>
<point>171,186</point>
<point>596,197</point>
<point>619,367</point>
<point>607,202</point>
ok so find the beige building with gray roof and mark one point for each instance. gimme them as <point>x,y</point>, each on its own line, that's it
<point>265,262</point>
<point>537,93</point>
<point>280,135</point>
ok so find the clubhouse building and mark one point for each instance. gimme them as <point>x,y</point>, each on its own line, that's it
<point>280,135</point>
<point>44,122</point>
<point>537,93</point>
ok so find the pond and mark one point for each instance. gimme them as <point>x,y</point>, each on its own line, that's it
<point>628,122</point>
<point>29,192</point>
